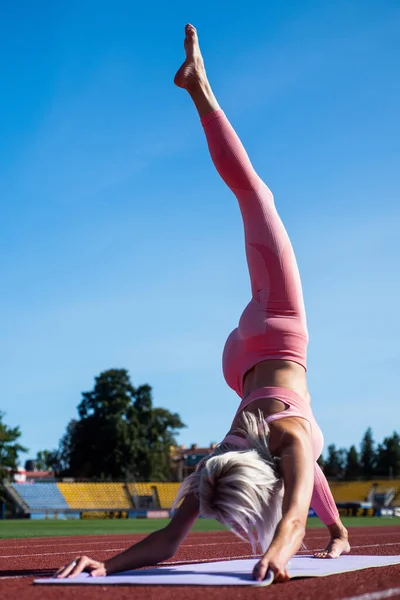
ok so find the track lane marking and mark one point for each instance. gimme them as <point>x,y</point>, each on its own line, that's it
<point>80,551</point>
<point>312,539</point>
<point>61,541</point>
<point>89,542</point>
<point>376,595</point>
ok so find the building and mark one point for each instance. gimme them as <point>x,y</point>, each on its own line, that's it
<point>185,459</point>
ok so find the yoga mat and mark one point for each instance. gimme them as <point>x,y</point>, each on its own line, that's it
<point>228,572</point>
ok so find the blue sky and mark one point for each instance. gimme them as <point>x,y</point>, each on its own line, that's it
<point>122,248</point>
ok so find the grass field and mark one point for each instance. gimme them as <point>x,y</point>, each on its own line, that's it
<point>25,528</point>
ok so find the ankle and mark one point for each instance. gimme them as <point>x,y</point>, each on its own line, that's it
<point>338,530</point>
<point>203,98</point>
<point>199,87</point>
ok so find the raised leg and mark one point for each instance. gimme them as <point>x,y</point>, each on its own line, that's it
<point>275,280</point>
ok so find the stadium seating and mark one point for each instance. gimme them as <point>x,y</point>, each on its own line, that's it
<point>38,496</point>
<point>350,491</point>
<point>100,496</point>
<point>396,499</point>
<point>48,496</point>
<point>166,492</point>
<point>389,490</point>
<point>358,491</point>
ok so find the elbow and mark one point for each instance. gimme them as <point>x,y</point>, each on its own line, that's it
<point>171,546</point>
<point>168,555</point>
<point>299,526</point>
<point>169,552</point>
<point>296,525</point>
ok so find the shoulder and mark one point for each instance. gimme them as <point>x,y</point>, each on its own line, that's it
<point>288,431</point>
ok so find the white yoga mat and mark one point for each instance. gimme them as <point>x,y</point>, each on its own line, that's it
<point>228,572</point>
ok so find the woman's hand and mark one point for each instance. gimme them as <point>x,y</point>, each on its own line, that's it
<point>287,540</point>
<point>80,564</point>
<point>274,563</point>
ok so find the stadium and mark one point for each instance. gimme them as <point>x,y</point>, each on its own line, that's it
<point>38,495</point>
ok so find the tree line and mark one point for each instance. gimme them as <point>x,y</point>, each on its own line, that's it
<point>120,435</point>
<point>370,461</point>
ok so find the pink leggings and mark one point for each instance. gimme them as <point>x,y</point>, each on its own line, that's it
<point>273,325</point>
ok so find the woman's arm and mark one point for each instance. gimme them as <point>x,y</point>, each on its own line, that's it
<point>157,547</point>
<point>290,440</point>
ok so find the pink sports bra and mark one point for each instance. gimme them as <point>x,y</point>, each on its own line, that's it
<point>322,500</point>
<point>296,406</point>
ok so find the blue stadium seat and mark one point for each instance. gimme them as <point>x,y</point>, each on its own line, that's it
<point>41,496</point>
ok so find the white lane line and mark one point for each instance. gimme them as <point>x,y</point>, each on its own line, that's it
<point>24,576</point>
<point>58,553</point>
<point>127,539</point>
<point>179,562</point>
<point>307,551</point>
<point>376,595</point>
<point>99,536</point>
<point>96,536</point>
<point>138,537</point>
<point>80,551</point>
<point>358,535</point>
<point>106,534</point>
<point>378,545</point>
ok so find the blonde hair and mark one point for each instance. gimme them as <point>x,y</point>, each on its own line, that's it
<point>241,488</point>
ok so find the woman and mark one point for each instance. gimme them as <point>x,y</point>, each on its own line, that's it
<point>262,478</point>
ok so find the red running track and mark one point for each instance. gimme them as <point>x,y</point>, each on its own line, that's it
<point>23,560</point>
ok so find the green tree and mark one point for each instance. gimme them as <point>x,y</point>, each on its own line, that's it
<point>119,435</point>
<point>9,447</point>
<point>47,460</point>
<point>352,468</point>
<point>335,462</point>
<point>388,457</point>
<point>67,446</point>
<point>164,426</point>
<point>368,455</point>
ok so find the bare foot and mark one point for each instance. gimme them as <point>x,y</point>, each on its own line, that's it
<point>338,545</point>
<point>192,71</point>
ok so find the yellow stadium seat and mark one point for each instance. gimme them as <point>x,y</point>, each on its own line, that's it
<point>166,492</point>
<point>358,491</point>
<point>350,491</point>
<point>109,496</point>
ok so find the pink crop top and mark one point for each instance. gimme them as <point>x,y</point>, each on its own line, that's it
<point>322,500</point>
<point>296,406</point>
